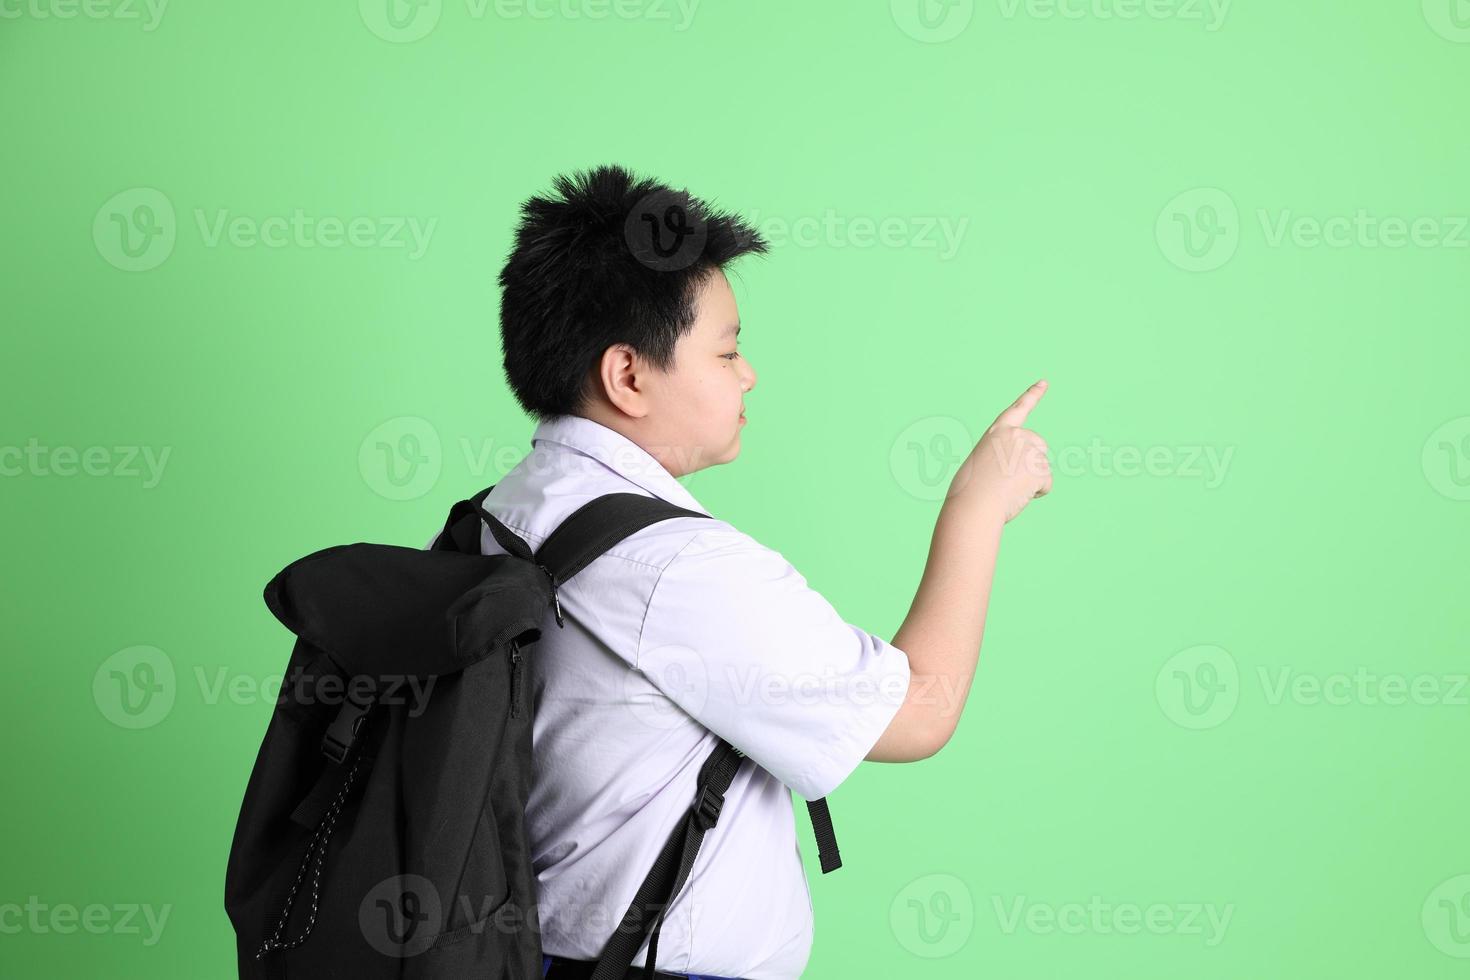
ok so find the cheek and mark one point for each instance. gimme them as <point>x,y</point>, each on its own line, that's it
<point>730,387</point>
<point>696,391</point>
<point>718,382</point>
<point>717,391</point>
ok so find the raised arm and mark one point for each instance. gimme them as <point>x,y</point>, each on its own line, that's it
<point>942,632</point>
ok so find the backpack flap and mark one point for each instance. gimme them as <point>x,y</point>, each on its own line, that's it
<point>387,611</point>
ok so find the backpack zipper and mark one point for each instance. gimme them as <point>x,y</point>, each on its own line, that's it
<point>515,679</point>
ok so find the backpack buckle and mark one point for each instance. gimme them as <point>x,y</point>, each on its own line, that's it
<point>555,602</point>
<point>707,809</point>
<point>342,733</point>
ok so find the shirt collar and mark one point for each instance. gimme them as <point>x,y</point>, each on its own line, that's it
<point>618,453</point>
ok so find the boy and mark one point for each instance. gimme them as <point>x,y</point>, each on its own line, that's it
<point>619,332</point>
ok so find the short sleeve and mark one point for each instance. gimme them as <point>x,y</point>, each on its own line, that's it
<point>736,637</point>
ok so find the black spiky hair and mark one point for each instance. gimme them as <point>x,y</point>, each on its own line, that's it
<point>610,258</point>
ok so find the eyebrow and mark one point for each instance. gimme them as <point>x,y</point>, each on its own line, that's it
<point>732,329</point>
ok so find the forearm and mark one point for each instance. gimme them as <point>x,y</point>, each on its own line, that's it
<point>943,630</point>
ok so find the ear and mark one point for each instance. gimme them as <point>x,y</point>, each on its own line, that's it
<point>624,379</point>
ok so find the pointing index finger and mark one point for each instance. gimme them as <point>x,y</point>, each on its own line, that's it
<point>1016,412</point>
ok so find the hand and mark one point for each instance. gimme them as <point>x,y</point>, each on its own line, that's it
<point>1008,468</point>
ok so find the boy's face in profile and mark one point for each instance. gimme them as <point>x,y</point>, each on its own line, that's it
<point>703,399</point>
<point>690,417</point>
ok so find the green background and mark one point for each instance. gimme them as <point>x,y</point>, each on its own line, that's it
<point>1076,148</point>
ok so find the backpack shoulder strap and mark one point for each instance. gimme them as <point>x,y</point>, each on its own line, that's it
<point>462,529</point>
<point>598,525</point>
<point>583,536</point>
<point>670,870</point>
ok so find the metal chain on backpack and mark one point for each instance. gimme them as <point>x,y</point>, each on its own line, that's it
<point>317,847</point>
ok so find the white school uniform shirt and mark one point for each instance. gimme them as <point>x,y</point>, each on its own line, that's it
<point>685,629</point>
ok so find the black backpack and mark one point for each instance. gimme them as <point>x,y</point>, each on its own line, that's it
<point>382,832</point>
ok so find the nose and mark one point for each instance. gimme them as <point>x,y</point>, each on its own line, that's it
<point>750,375</point>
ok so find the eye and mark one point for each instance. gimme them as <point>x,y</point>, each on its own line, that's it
<point>731,356</point>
